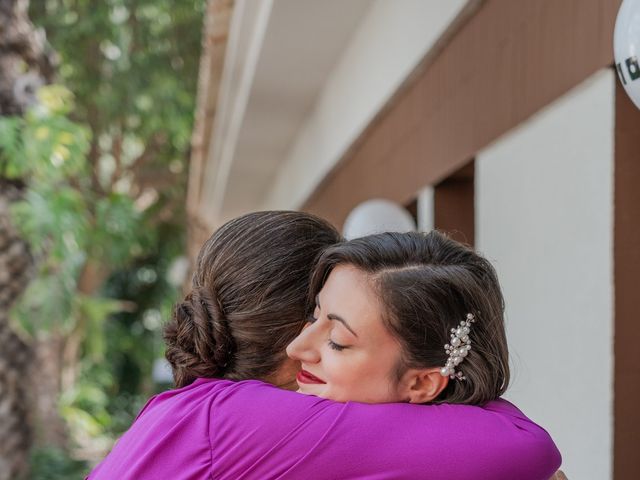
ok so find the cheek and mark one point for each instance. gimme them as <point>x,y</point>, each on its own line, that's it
<point>371,378</point>
<point>339,367</point>
<point>350,371</point>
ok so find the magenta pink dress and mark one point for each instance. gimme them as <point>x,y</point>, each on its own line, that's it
<point>218,429</point>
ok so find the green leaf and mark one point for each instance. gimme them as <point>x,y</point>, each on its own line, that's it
<point>11,148</point>
<point>95,311</point>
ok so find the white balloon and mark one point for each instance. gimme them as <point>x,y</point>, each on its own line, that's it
<point>626,48</point>
<point>376,216</point>
<point>161,371</point>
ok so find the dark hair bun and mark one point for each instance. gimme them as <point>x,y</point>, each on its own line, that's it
<point>199,342</point>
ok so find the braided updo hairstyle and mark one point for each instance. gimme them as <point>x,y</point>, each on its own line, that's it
<point>248,297</point>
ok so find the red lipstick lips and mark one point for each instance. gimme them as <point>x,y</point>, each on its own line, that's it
<point>305,377</point>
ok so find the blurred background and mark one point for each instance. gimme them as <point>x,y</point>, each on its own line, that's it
<point>131,129</point>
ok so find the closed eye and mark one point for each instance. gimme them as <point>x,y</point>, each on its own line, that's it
<point>333,345</point>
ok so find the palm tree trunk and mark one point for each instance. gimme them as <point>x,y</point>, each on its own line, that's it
<point>15,431</point>
<point>15,354</point>
<point>21,44</point>
<point>46,389</point>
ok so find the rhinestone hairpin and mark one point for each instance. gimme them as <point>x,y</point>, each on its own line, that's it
<point>458,349</point>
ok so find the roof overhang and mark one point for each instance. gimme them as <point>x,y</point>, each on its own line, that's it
<point>299,82</point>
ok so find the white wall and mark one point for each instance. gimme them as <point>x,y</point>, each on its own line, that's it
<point>544,217</point>
<point>426,212</point>
<point>391,40</point>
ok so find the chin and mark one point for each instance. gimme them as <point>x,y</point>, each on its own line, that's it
<point>304,389</point>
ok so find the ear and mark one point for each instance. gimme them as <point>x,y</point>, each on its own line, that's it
<point>424,385</point>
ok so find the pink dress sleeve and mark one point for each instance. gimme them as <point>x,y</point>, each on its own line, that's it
<point>259,431</point>
<point>218,429</point>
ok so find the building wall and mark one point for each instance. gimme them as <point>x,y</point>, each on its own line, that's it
<point>544,217</point>
<point>626,270</point>
<point>392,39</point>
<point>504,64</point>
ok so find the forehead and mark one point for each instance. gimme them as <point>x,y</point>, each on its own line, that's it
<point>348,293</point>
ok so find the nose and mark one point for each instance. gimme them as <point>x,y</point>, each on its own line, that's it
<point>303,348</point>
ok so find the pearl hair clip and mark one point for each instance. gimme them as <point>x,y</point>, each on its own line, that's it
<point>458,349</point>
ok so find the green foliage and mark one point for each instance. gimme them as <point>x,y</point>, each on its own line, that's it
<point>124,234</point>
<point>64,230</point>
<point>104,154</point>
<point>11,144</point>
<point>90,411</point>
<point>50,463</point>
<point>111,391</point>
<point>49,150</point>
<point>95,310</point>
<point>53,219</point>
<point>45,146</point>
<point>132,66</point>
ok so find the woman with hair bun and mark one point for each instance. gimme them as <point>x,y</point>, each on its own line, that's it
<point>228,419</point>
<point>247,301</point>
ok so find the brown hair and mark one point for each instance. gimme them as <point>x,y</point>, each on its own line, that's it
<point>427,284</point>
<point>248,298</point>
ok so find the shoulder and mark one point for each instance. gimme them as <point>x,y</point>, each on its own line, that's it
<point>497,438</point>
<point>155,447</point>
<point>255,405</point>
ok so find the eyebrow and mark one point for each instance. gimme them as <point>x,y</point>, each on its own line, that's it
<point>333,316</point>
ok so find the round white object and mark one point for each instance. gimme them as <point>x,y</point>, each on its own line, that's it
<point>161,371</point>
<point>377,216</point>
<point>626,48</point>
